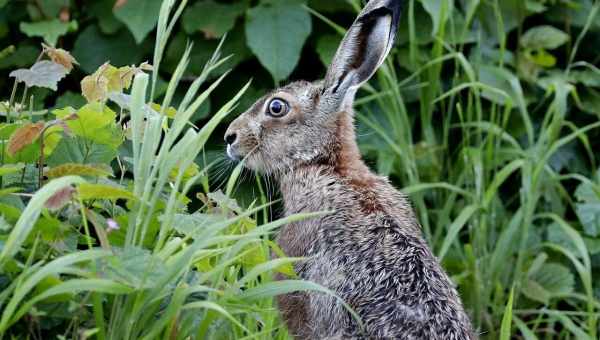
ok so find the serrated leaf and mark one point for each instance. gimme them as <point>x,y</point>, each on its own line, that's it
<point>190,225</point>
<point>95,88</point>
<point>61,57</point>
<point>134,266</point>
<point>89,191</point>
<point>24,136</point>
<point>139,16</point>
<point>212,18</point>
<point>276,34</point>
<point>544,37</point>
<point>44,73</point>
<point>223,201</point>
<point>76,169</point>
<point>81,150</point>
<point>50,30</point>
<point>535,292</point>
<point>95,122</point>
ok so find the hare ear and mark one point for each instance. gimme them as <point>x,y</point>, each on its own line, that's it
<point>364,48</point>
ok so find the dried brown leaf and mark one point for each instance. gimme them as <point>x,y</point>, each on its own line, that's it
<point>24,136</point>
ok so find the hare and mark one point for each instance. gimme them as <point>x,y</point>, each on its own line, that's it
<point>369,250</point>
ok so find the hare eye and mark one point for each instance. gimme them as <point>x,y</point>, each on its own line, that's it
<point>278,108</point>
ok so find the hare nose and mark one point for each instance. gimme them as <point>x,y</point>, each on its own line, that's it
<point>230,138</point>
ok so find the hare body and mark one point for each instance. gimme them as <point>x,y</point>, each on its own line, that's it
<point>369,250</point>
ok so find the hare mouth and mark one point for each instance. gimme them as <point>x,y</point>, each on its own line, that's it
<point>232,153</point>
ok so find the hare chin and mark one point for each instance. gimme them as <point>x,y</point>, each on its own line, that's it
<point>232,154</point>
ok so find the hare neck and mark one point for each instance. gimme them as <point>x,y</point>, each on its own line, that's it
<point>342,161</point>
<point>345,155</point>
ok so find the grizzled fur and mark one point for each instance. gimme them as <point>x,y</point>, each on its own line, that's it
<point>370,250</point>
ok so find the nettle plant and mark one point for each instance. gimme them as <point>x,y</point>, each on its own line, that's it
<point>96,238</point>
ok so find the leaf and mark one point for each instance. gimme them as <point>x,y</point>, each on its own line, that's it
<point>221,19</point>
<point>81,150</point>
<point>89,191</point>
<point>60,198</point>
<point>589,216</point>
<point>223,201</point>
<point>506,326</point>
<point>327,46</point>
<point>134,266</point>
<point>92,49</point>
<point>555,278</point>
<point>190,225</point>
<point>287,26</point>
<point>44,73</point>
<point>10,169</point>
<point>95,122</point>
<point>95,87</point>
<point>103,11</point>
<point>434,8</point>
<point>544,37</point>
<point>139,16</point>
<point>24,136</point>
<point>541,58</point>
<point>69,169</point>
<point>50,30</point>
<point>61,57</point>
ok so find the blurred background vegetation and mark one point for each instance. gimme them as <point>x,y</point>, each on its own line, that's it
<point>486,114</point>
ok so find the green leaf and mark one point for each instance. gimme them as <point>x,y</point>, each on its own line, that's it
<point>434,8</point>
<point>505,328</point>
<point>92,49</point>
<point>10,169</point>
<point>555,278</point>
<point>134,266</point>
<point>589,216</point>
<point>103,191</point>
<point>544,37</point>
<point>50,30</point>
<point>139,16</point>
<point>103,11</point>
<point>81,150</point>
<point>42,74</point>
<point>276,34</point>
<point>69,169</point>
<point>95,122</point>
<point>327,46</point>
<point>212,18</point>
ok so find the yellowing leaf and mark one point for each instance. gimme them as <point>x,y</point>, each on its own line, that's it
<point>119,78</point>
<point>95,88</point>
<point>79,170</point>
<point>60,56</point>
<point>88,191</point>
<point>24,136</point>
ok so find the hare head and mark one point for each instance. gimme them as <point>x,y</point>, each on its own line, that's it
<point>300,123</point>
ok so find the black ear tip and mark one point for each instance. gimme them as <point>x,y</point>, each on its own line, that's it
<point>378,7</point>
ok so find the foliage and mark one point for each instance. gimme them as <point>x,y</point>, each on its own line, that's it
<point>487,114</point>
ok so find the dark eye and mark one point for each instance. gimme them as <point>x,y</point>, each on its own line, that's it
<point>278,108</point>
